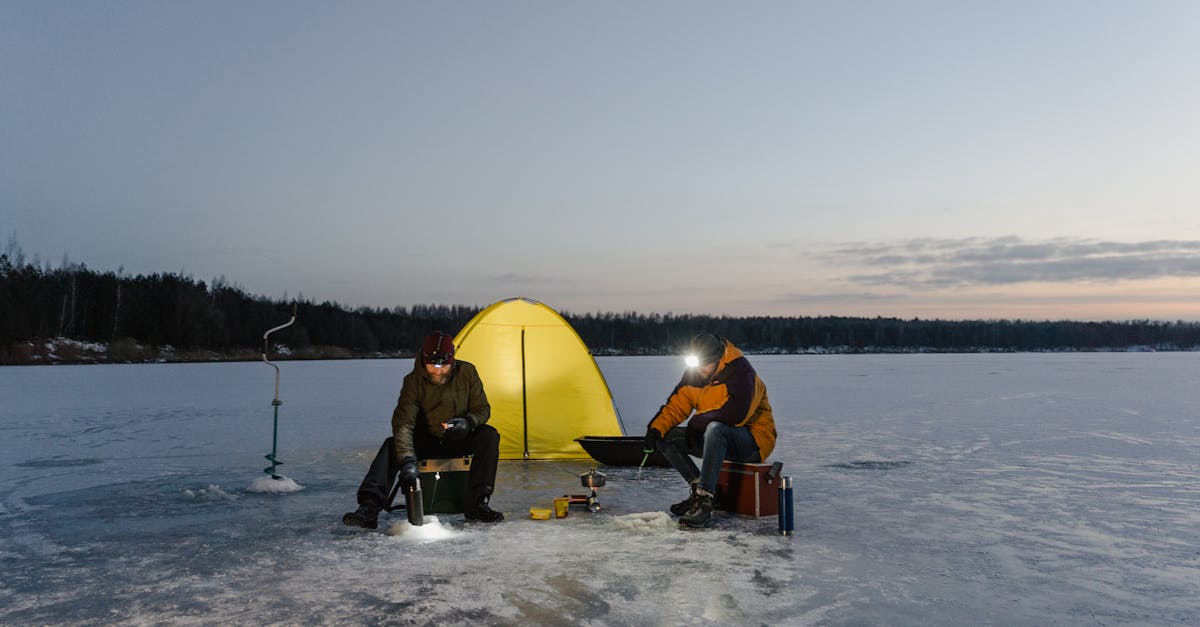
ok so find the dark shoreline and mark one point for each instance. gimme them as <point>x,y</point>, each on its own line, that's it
<point>63,351</point>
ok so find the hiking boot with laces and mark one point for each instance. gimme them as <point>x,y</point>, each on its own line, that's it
<point>685,505</point>
<point>701,514</point>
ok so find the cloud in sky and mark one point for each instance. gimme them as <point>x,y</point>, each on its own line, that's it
<point>400,154</point>
<point>836,298</point>
<point>983,262</point>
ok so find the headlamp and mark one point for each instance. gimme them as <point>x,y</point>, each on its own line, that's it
<point>692,361</point>
<point>439,359</point>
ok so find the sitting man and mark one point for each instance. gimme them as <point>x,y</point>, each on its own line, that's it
<point>733,422</point>
<point>442,412</point>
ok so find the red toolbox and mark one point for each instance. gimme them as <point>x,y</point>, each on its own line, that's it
<point>748,489</point>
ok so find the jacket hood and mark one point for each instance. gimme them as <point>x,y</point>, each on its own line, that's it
<point>731,353</point>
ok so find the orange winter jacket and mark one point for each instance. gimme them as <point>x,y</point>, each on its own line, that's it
<point>733,395</point>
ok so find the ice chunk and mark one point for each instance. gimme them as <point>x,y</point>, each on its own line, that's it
<point>211,493</point>
<point>645,522</point>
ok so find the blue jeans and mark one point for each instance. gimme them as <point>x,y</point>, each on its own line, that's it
<point>718,443</point>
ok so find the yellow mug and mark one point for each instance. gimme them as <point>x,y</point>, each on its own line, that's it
<point>560,506</point>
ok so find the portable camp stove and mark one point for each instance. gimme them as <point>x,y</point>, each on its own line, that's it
<point>591,480</point>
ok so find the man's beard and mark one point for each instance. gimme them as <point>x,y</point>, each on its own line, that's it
<point>440,378</point>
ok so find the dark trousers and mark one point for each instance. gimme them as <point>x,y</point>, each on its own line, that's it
<point>483,443</point>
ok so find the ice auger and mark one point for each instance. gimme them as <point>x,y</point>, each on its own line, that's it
<point>275,402</point>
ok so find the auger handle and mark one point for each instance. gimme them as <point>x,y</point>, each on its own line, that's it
<point>285,325</point>
<point>275,403</point>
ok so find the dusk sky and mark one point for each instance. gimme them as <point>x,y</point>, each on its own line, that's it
<point>1006,159</point>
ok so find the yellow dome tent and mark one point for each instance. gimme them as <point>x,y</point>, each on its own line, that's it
<point>542,383</point>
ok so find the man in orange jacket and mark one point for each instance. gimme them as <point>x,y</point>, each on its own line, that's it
<point>732,421</point>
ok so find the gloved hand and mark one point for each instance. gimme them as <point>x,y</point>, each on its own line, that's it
<point>650,444</point>
<point>457,428</point>
<point>409,475</point>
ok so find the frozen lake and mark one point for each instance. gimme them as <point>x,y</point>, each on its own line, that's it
<point>1005,489</point>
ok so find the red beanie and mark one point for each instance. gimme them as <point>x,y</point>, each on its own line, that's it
<point>438,349</point>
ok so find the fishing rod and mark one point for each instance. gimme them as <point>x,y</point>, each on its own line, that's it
<point>275,402</point>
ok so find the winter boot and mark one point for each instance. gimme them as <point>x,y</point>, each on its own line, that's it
<point>687,504</point>
<point>701,514</point>
<point>366,516</point>
<point>481,512</point>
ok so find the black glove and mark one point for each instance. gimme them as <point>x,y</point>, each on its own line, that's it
<point>651,442</point>
<point>409,476</point>
<point>457,428</point>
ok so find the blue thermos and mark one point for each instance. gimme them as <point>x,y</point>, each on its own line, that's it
<point>787,525</point>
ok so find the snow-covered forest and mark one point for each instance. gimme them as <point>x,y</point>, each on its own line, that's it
<point>114,317</point>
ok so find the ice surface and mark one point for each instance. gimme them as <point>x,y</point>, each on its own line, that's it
<point>930,489</point>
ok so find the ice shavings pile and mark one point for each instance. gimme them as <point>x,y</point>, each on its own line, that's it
<point>269,485</point>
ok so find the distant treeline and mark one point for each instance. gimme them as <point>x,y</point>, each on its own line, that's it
<point>127,313</point>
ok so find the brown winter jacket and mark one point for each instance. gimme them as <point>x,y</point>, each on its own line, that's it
<point>733,395</point>
<point>425,405</point>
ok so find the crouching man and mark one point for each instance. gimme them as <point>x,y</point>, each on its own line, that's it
<point>732,421</point>
<point>442,412</point>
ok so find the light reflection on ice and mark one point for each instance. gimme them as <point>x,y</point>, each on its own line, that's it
<point>432,531</point>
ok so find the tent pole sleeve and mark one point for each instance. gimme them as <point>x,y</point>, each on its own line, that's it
<point>524,399</point>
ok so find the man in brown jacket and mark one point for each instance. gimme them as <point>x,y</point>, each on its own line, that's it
<point>442,412</point>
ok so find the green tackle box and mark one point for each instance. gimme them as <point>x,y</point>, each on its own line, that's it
<point>445,484</point>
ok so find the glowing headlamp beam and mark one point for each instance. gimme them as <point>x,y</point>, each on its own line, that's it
<point>692,361</point>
